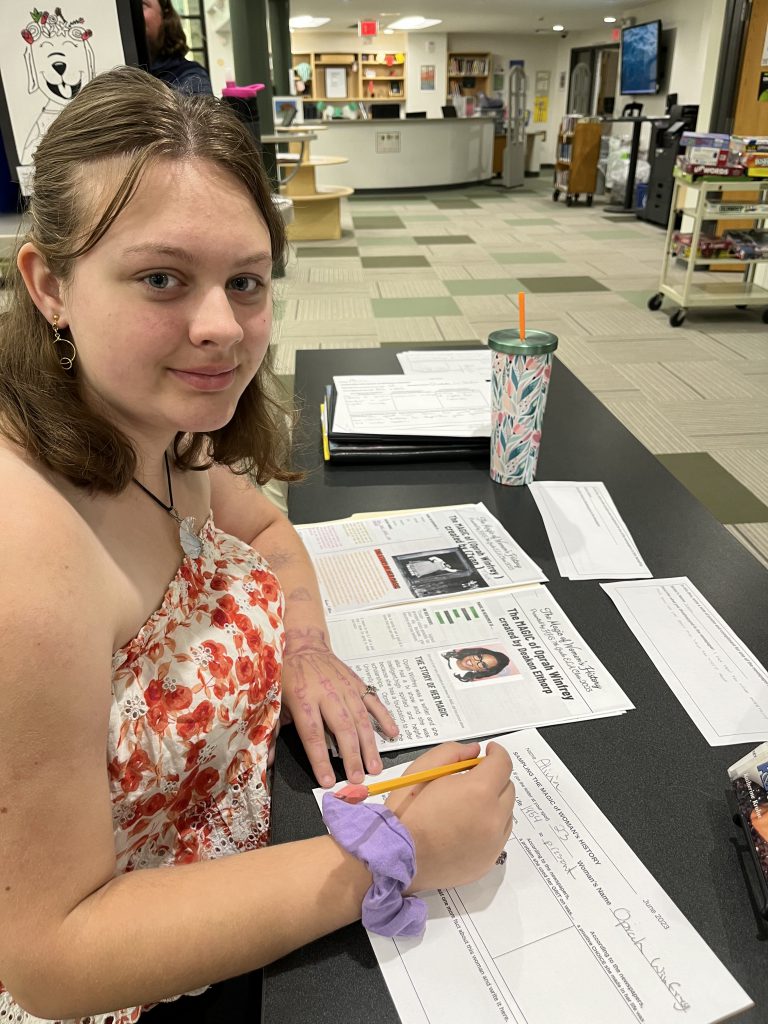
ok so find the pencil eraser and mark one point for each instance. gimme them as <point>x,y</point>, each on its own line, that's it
<point>352,794</point>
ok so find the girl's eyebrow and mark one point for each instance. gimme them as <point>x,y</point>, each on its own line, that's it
<point>188,257</point>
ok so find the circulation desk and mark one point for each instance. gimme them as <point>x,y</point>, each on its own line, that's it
<point>650,771</point>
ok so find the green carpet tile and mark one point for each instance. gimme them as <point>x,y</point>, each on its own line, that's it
<point>456,204</point>
<point>377,222</point>
<point>562,284</point>
<point>332,252</point>
<point>483,286</point>
<point>444,240</point>
<point>384,262</point>
<point>438,306</point>
<point>727,499</point>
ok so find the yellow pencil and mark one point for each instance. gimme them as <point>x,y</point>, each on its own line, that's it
<point>355,794</point>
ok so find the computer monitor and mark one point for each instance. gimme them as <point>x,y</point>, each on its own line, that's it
<point>390,110</point>
<point>449,111</point>
<point>416,113</point>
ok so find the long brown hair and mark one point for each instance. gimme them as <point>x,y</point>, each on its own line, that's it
<point>129,117</point>
<point>173,41</point>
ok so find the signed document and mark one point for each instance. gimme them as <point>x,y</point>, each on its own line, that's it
<point>572,928</point>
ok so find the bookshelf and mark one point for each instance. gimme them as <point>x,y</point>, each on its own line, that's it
<point>466,67</point>
<point>578,150</point>
<point>364,77</point>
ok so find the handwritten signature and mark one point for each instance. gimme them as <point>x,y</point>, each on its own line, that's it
<point>624,921</point>
<point>544,764</point>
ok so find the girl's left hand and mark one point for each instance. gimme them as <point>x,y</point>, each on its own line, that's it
<point>320,692</point>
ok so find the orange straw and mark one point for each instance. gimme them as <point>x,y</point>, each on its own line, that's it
<point>521,304</point>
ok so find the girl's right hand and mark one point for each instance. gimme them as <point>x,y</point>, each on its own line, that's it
<point>461,822</point>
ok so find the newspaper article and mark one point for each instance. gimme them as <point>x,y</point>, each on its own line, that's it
<point>395,559</point>
<point>475,667</point>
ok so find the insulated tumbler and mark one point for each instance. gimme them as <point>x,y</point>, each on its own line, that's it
<point>519,379</point>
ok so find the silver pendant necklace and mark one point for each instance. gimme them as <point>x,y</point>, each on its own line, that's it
<point>190,542</point>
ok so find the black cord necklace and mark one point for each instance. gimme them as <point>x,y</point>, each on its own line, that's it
<point>190,542</point>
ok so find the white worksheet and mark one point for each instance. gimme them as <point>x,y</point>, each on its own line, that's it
<point>474,362</point>
<point>590,540</point>
<point>412,406</point>
<point>716,678</point>
<point>573,929</point>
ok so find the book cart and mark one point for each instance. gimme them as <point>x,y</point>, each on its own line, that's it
<point>693,293</point>
<point>578,150</point>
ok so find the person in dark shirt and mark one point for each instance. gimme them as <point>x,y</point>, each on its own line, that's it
<point>168,48</point>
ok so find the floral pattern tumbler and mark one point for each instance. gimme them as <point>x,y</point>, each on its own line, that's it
<point>519,380</point>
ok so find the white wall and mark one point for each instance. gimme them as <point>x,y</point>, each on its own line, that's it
<point>431,50</point>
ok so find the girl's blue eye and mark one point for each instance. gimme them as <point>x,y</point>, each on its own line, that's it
<point>244,283</point>
<point>159,280</point>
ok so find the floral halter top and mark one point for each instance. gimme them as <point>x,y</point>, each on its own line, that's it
<point>195,703</point>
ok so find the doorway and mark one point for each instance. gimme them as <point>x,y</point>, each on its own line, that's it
<point>592,82</point>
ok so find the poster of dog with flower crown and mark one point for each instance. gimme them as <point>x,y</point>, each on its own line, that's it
<point>46,57</point>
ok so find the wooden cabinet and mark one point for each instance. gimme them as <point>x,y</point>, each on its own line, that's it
<point>469,74</point>
<point>353,77</point>
<point>578,150</point>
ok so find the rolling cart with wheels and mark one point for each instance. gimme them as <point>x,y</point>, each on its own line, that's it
<point>680,286</point>
<point>578,150</point>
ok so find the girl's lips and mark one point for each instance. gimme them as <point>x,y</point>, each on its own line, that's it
<point>208,381</point>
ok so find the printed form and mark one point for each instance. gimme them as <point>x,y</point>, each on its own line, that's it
<point>715,676</point>
<point>473,362</point>
<point>415,406</point>
<point>590,540</point>
<point>573,919</point>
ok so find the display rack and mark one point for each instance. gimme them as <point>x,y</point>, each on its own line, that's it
<point>316,208</point>
<point>578,150</point>
<point>690,294</point>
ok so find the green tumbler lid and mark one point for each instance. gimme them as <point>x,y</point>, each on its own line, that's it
<point>536,343</point>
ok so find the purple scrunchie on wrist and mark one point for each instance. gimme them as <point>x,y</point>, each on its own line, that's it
<point>377,837</point>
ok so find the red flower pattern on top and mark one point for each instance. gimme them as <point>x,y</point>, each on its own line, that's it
<point>195,702</point>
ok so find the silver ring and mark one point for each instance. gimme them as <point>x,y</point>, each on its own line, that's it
<point>369,691</point>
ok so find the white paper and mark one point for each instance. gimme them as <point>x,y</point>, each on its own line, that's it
<point>394,559</point>
<point>716,678</point>
<point>573,928</point>
<point>418,406</point>
<point>468,668</point>
<point>590,540</point>
<point>474,362</point>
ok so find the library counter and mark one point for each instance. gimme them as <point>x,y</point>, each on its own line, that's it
<point>408,152</point>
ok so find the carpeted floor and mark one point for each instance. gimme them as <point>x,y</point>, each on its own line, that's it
<point>444,267</point>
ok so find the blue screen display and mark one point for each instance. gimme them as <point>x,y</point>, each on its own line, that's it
<point>640,59</point>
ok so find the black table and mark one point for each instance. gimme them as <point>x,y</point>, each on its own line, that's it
<point>650,771</point>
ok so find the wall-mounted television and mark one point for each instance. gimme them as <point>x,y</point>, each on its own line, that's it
<point>641,59</point>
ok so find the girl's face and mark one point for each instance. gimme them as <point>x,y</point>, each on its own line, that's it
<point>171,310</point>
<point>153,21</point>
<point>478,662</point>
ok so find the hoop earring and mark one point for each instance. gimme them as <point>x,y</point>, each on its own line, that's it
<point>66,362</point>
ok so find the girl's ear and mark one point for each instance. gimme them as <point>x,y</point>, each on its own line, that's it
<point>42,284</point>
